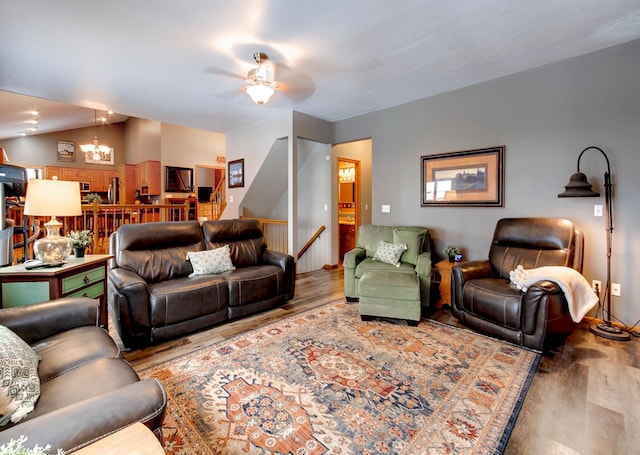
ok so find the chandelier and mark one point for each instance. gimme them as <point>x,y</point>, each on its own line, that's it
<point>96,151</point>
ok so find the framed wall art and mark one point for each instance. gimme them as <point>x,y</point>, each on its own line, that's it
<point>471,178</point>
<point>66,151</point>
<point>236,173</point>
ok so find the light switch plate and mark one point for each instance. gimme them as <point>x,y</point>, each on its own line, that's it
<point>386,208</point>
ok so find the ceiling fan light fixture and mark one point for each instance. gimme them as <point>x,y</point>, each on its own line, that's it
<point>260,84</point>
<point>260,92</point>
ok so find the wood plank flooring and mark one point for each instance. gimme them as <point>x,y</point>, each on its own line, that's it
<point>584,398</point>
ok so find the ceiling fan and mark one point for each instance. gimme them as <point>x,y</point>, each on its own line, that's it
<point>261,83</point>
<point>294,84</point>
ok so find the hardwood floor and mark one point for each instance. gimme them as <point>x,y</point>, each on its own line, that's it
<point>583,398</point>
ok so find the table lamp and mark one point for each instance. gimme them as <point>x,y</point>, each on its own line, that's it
<point>52,198</point>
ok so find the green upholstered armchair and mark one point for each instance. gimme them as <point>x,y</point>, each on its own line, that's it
<point>416,259</point>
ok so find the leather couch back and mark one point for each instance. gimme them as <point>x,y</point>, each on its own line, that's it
<point>157,251</point>
<point>244,237</point>
<point>535,242</point>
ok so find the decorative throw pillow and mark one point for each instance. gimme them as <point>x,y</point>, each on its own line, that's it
<point>19,381</point>
<point>210,262</point>
<point>390,253</point>
<point>414,240</point>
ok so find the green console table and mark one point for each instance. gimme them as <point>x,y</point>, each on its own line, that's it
<point>77,277</point>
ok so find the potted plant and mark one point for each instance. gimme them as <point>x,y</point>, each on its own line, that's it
<point>451,251</point>
<point>91,197</point>
<point>80,240</point>
<point>14,447</point>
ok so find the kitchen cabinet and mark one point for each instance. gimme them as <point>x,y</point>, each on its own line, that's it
<point>76,174</point>
<point>128,183</point>
<point>149,178</point>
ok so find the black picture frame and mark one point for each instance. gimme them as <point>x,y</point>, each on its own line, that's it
<point>469,178</point>
<point>236,173</point>
<point>178,179</point>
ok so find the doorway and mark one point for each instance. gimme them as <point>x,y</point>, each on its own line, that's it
<point>210,188</point>
<point>348,203</point>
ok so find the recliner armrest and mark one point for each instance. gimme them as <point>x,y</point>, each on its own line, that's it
<point>35,322</point>
<point>471,270</point>
<point>353,257</point>
<point>80,424</point>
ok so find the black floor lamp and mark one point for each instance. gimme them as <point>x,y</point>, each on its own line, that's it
<point>579,186</point>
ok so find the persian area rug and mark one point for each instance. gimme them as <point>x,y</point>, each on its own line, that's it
<point>324,382</point>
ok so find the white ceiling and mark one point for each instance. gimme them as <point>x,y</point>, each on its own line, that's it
<point>184,62</point>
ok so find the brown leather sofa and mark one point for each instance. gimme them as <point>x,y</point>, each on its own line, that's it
<point>484,298</point>
<point>153,298</point>
<point>87,390</point>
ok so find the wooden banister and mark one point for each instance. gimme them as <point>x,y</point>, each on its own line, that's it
<point>310,242</point>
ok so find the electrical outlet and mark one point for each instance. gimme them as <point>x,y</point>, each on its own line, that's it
<point>597,210</point>
<point>615,289</point>
<point>386,208</point>
<point>596,285</point>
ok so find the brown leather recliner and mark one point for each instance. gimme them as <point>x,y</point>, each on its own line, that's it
<point>484,298</point>
<point>87,390</point>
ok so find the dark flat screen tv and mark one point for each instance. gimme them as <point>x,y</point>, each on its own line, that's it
<point>178,179</point>
<point>14,179</point>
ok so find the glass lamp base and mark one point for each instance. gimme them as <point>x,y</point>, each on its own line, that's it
<point>53,247</point>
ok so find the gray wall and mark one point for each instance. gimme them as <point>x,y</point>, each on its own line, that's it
<point>545,117</point>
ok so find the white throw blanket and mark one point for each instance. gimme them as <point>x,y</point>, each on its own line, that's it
<point>580,297</point>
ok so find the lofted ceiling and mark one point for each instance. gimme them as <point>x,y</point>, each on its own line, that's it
<point>185,62</point>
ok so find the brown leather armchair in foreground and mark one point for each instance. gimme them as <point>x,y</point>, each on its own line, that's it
<point>87,390</point>
<point>484,299</point>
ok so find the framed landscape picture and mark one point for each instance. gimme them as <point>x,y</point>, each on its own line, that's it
<point>236,173</point>
<point>66,151</point>
<point>471,178</point>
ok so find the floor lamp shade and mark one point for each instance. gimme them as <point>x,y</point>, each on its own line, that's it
<point>52,198</point>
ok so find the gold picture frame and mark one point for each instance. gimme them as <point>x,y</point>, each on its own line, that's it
<point>470,178</point>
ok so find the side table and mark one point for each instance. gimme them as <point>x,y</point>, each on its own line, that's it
<point>444,268</point>
<point>134,439</point>
<point>77,277</point>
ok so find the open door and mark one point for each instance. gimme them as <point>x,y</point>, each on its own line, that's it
<point>348,203</point>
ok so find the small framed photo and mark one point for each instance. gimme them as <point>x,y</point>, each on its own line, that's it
<point>236,173</point>
<point>66,151</point>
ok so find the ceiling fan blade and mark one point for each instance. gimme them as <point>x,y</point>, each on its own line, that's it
<point>223,72</point>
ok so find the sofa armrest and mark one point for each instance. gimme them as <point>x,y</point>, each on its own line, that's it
<point>80,424</point>
<point>423,264</point>
<point>353,257</point>
<point>288,265</point>
<point>35,322</point>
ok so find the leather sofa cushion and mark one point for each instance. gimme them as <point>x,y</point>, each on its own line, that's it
<point>244,237</point>
<point>183,299</point>
<point>68,350</point>
<point>158,251</point>
<point>252,284</point>
<point>74,386</point>
<point>494,300</point>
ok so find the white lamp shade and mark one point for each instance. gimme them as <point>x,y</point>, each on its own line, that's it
<point>52,198</point>
<point>260,93</point>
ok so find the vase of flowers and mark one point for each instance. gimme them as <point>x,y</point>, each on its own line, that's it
<point>80,240</point>
<point>451,251</point>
